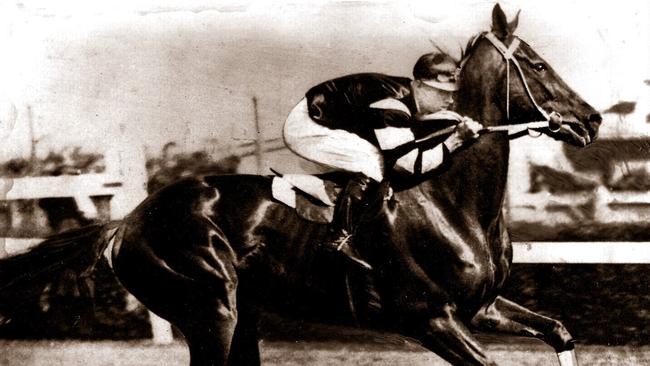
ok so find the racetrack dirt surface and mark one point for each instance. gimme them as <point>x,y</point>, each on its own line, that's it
<point>510,351</point>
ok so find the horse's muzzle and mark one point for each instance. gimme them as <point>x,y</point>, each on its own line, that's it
<point>593,124</point>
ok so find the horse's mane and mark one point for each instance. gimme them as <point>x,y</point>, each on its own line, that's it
<point>469,48</point>
<point>463,51</point>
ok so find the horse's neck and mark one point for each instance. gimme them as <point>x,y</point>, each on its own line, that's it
<point>475,180</point>
<point>488,168</point>
<point>483,166</point>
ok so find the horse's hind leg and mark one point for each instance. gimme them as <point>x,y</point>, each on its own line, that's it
<point>203,308</point>
<point>445,334</point>
<point>208,333</point>
<point>506,316</point>
<point>245,349</point>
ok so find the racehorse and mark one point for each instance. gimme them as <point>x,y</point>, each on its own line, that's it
<point>207,253</point>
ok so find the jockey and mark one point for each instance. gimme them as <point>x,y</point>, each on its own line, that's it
<point>349,123</point>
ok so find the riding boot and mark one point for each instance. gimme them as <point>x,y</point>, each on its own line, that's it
<point>349,210</point>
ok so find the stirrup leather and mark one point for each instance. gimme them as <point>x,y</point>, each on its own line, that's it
<point>342,241</point>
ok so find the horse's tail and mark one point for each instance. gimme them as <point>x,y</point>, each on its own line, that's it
<point>78,250</point>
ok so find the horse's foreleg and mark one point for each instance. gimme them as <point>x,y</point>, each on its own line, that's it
<point>446,335</point>
<point>506,316</point>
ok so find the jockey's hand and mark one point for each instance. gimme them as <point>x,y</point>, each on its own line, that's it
<point>467,130</point>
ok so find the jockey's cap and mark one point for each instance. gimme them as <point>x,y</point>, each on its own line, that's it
<point>437,70</point>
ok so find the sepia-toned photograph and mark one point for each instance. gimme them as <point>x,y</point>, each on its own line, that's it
<point>247,183</point>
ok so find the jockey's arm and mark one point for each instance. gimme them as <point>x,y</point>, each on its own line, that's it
<point>423,157</point>
<point>466,128</point>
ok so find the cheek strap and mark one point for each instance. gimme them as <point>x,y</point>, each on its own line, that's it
<point>508,55</point>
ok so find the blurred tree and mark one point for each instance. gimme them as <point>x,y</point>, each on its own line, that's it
<point>622,109</point>
<point>16,167</point>
<point>544,177</point>
<point>68,161</point>
<point>170,167</point>
<point>635,180</point>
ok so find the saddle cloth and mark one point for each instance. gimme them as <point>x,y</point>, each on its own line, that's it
<point>313,198</point>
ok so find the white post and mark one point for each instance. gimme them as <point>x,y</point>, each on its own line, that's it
<point>3,250</point>
<point>161,330</point>
<point>518,178</point>
<point>127,161</point>
<point>5,187</point>
<point>601,202</point>
<point>8,117</point>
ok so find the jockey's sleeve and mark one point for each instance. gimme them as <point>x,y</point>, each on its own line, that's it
<point>421,160</point>
<point>394,118</point>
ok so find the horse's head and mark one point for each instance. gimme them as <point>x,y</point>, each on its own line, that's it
<point>504,81</point>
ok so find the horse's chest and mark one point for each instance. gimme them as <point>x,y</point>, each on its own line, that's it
<point>458,254</point>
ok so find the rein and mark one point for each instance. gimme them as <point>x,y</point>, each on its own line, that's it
<point>513,129</point>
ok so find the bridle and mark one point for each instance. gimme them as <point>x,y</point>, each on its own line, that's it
<point>508,55</point>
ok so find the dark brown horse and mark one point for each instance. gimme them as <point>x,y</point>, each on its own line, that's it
<point>207,254</point>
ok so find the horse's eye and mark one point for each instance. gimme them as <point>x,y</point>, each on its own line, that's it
<point>540,66</point>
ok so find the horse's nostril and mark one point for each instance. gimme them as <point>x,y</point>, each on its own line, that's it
<point>593,125</point>
<point>596,117</point>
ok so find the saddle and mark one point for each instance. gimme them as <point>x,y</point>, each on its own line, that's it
<point>313,197</point>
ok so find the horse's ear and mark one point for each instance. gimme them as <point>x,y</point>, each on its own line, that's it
<point>512,26</point>
<point>499,22</point>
